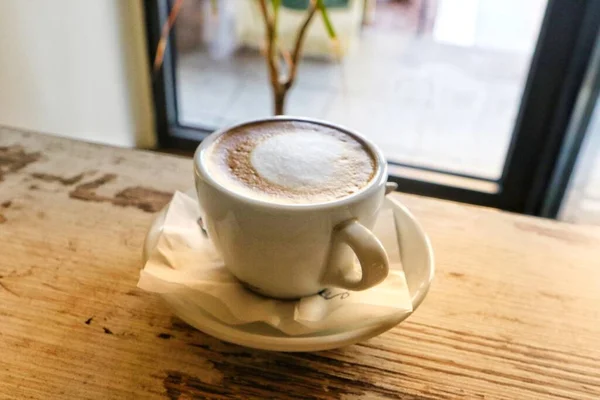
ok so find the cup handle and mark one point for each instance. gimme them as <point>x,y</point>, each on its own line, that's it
<point>369,250</point>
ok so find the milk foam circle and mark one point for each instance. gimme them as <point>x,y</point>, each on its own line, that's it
<point>290,162</point>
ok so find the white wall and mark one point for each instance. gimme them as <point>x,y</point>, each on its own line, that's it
<point>76,68</point>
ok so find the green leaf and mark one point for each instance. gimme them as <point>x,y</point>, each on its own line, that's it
<point>326,20</point>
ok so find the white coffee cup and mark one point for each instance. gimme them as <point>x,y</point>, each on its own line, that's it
<point>295,250</point>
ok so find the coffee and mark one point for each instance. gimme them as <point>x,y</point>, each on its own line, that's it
<point>293,162</point>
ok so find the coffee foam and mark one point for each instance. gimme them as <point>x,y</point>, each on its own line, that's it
<point>290,162</point>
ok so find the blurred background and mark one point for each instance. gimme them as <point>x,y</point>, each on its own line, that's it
<point>490,102</point>
<point>436,83</point>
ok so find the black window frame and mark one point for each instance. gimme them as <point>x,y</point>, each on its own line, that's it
<point>566,41</point>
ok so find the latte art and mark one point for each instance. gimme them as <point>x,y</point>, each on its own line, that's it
<point>290,162</point>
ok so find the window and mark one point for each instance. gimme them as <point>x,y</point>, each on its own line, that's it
<point>469,99</point>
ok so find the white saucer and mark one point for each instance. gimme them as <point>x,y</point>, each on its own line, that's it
<point>417,260</point>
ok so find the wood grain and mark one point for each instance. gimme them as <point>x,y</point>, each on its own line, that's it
<point>513,312</point>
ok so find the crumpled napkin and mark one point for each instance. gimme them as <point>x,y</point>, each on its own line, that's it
<point>184,262</point>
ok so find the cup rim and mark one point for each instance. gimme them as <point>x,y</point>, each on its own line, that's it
<point>379,179</point>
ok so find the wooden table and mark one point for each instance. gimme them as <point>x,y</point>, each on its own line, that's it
<point>514,311</point>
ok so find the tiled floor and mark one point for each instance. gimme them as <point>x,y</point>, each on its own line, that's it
<point>422,102</point>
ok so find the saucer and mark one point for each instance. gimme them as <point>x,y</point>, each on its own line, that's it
<point>417,261</point>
